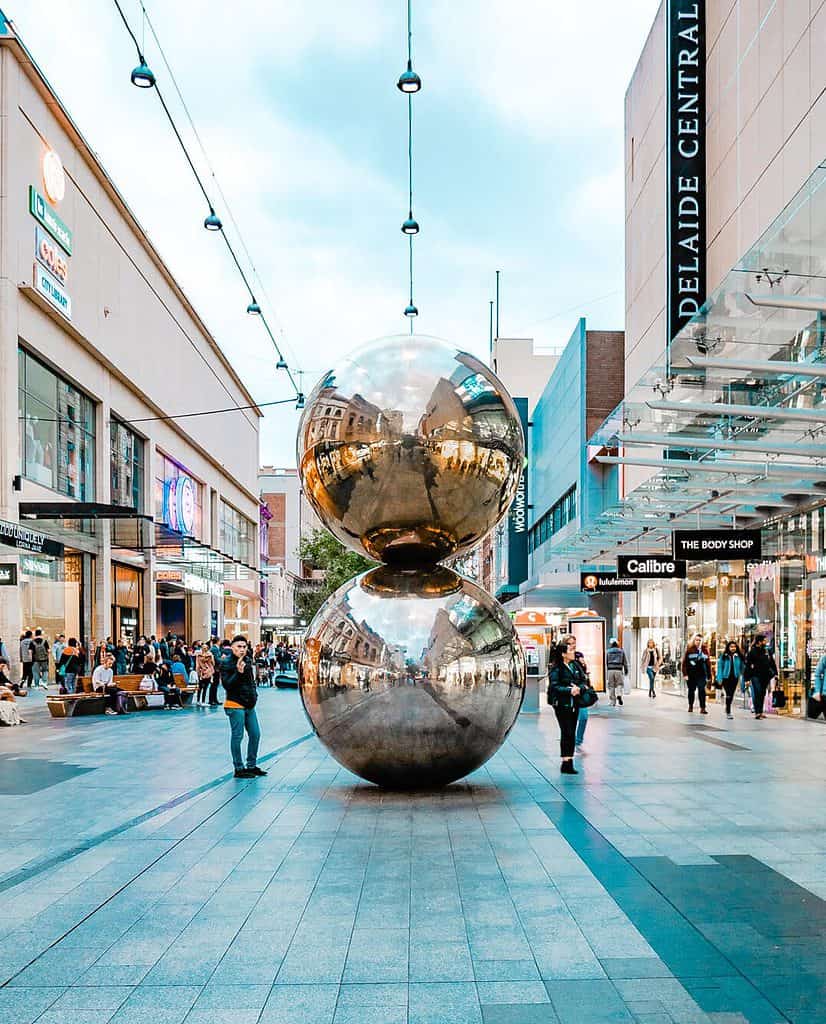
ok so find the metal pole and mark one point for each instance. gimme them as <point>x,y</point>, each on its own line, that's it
<point>491,330</point>
<point>497,304</point>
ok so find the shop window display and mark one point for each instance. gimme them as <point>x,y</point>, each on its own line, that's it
<point>57,430</point>
<point>126,462</point>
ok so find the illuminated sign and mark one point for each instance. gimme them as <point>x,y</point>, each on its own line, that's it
<point>8,574</point>
<point>49,253</point>
<point>54,180</point>
<point>169,576</point>
<point>598,582</point>
<point>36,567</point>
<point>590,642</point>
<point>52,291</point>
<point>651,567</point>
<point>42,212</point>
<point>179,504</point>
<point>698,545</point>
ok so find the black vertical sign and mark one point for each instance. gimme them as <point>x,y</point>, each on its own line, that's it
<point>518,515</point>
<point>686,242</point>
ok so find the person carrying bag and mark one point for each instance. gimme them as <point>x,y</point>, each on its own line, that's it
<point>566,683</point>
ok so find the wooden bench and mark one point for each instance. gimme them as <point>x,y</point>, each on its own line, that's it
<point>67,705</point>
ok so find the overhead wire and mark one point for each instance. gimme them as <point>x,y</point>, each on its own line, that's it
<point>208,200</point>
<point>226,204</point>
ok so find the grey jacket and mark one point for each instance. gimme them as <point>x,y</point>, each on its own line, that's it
<point>615,659</point>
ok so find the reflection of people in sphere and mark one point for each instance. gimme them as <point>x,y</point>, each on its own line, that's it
<point>591,582</point>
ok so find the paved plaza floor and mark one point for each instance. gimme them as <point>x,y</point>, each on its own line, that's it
<point>681,876</point>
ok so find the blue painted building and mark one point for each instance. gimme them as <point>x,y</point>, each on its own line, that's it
<point>568,490</point>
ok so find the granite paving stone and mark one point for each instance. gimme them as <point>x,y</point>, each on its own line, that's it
<point>512,896</point>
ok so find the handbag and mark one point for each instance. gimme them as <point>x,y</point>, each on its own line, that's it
<point>814,708</point>
<point>586,698</point>
<point>779,699</point>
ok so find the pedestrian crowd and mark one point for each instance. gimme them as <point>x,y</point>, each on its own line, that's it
<point>752,671</point>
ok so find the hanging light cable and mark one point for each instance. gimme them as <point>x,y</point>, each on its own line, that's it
<point>212,221</point>
<point>411,226</point>
<point>261,287</point>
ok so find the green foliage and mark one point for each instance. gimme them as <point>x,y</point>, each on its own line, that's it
<point>321,550</point>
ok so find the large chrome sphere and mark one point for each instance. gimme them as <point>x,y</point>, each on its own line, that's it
<point>410,451</point>
<point>411,678</point>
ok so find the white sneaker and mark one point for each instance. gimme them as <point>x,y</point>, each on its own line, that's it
<point>730,716</point>
<point>109,711</point>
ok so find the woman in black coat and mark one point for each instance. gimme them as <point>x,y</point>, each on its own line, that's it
<point>565,680</point>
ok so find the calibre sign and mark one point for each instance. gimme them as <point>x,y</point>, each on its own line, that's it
<point>651,567</point>
<point>686,59</point>
<point>699,545</point>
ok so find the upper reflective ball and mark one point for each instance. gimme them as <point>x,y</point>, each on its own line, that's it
<point>410,451</point>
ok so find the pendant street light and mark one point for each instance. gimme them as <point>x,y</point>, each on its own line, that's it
<point>409,81</point>
<point>410,226</point>
<point>281,364</point>
<point>253,307</point>
<point>411,311</point>
<point>299,402</point>
<point>142,76</point>
<point>213,221</point>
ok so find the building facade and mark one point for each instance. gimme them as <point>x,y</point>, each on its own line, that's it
<point>115,518</point>
<point>291,519</point>
<point>720,427</point>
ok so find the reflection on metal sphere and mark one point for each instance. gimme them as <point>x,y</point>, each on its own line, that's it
<point>410,451</point>
<point>412,678</point>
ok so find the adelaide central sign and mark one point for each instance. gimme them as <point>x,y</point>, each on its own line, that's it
<point>686,151</point>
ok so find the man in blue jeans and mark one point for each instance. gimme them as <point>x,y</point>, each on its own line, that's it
<point>239,706</point>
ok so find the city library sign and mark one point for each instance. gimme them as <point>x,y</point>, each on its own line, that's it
<point>16,536</point>
<point>686,161</point>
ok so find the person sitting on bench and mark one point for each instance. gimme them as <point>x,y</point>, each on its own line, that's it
<point>165,681</point>
<point>103,682</point>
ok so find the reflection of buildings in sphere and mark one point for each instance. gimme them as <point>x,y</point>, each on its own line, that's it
<point>410,451</point>
<point>412,678</point>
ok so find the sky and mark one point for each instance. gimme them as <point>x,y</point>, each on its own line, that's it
<point>518,164</point>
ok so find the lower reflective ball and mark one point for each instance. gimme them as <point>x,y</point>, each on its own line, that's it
<point>411,678</point>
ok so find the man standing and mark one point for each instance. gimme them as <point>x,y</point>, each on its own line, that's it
<point>761,671</point>
<point>57,646</point>
<point>696,669</point>
<point>26,659</point>
<point>239,707</point>
<point>40,659</point>
<point>616,665</point>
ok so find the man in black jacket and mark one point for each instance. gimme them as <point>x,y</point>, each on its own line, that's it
<point>239,706</point>
<point>760,671</point>
<point>696,670</point>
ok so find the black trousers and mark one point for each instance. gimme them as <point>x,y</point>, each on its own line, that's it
<point>213,688</point>
<point>730,688</point>
<point>203,685</point>
<point>567,718</point>
<point>758,695</point>
<point>700,690</point>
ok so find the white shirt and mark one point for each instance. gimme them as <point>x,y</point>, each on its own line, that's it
<point>101,677</point>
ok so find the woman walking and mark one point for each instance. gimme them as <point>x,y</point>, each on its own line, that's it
<point>566,679</point>
<point>205,667</point>
<point>730,672</point>
<point>650,663</point>
<point>696,670</point>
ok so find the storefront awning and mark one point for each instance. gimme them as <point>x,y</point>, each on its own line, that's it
<point>729,426</point>
<point>135,532</point>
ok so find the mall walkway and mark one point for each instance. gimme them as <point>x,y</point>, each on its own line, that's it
<point>680,877</point>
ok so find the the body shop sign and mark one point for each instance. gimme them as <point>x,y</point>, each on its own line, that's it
<point>686,148</point>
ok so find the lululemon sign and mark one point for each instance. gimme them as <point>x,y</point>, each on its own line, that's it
<point>651,567</point>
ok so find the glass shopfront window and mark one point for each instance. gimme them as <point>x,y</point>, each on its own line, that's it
<point>237,534</point>
<point>57,430</point>
<point>127,588</point>
<point>179,498</point>
<point>126,466</point>
<point>237,616</point>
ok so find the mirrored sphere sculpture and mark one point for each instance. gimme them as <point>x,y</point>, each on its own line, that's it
<point>410,451</point>
<point>412,677</point>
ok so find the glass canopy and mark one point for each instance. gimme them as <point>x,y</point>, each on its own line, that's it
<point>728,427</point>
